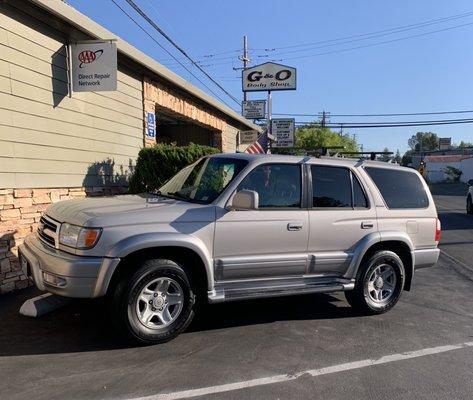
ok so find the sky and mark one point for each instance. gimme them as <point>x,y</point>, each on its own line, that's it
<point>429,72</point>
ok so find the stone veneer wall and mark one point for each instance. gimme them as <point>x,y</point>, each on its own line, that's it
<point>20,211</point>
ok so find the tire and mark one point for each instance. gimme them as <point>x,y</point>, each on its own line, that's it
<point>469,205</point>
<point>164,285</point>
<point>367,285</point>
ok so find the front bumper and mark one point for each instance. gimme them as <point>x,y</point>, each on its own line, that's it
<point>65,274</point>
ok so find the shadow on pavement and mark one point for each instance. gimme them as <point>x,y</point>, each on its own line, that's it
<point>455,221</point>
<point>449,189</point>
<point>83,325</point>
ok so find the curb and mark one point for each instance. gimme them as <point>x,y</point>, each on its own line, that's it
<point>459,266</point>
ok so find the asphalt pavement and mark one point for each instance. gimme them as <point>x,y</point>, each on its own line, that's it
<point>312,346</point>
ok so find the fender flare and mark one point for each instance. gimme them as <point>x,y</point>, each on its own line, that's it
<point>370,240</point>
<point>153,240</point>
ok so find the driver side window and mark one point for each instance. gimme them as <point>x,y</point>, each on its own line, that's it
<point>277,185</point>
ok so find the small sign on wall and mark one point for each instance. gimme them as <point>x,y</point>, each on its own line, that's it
<point>150,125</point>
<point>94,66</point>
<point>247,137</point>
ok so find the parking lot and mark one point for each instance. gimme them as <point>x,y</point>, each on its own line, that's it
<point>311,346</point>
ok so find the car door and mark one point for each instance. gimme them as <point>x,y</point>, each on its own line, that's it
<point>270,241</point>
<point>341,214</point>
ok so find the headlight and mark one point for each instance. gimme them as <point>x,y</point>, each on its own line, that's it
<point>78,237</point>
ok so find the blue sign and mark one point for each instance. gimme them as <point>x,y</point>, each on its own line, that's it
<point>150,125</point>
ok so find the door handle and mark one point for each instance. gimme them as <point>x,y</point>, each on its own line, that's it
<point>367,225</point>
<point>294,226</point>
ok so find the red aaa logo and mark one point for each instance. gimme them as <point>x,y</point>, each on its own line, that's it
<point>88,56</point>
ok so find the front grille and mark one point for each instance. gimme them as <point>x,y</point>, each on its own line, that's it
<point>48,230</point>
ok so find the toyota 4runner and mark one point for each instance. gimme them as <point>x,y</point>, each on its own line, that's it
<point>239,226</point>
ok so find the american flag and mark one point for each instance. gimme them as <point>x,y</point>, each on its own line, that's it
<point>260,146</point>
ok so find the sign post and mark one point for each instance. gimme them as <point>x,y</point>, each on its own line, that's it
<point>269,77</point>
<point>270,116</point>
<point>94,66</point>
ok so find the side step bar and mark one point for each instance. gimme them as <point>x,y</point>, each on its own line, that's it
<point>230,294</point>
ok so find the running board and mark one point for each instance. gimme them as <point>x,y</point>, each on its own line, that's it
<point>223,294</point>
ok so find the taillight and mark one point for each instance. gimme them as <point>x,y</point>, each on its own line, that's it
<point>438,231</point>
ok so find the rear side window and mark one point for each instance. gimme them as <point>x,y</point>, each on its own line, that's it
<point>336,187</point>
<point>400,189</point>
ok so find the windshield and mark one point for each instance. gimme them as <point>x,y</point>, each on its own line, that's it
<point>204,180</point>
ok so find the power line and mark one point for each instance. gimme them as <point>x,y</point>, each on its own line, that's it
<point>388,124</point>
<point>378,43</point>
<point>355,47</point>
<point>180,49</point>
<point>392,30</point>
<point>343,40</point>
<point>380,115</point>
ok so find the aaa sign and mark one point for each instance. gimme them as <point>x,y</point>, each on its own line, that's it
<point>269,76</point>
<point>94,66</point>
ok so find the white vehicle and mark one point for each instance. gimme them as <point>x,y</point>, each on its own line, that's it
<point>240,226</point>
<point>469,198</point>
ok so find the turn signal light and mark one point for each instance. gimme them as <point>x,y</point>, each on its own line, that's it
<point>88,237</point>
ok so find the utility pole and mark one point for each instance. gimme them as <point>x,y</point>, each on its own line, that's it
<point>245,60</point>
<point>323,118</point>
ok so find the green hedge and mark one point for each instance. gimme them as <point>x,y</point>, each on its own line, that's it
<point>155,165</point>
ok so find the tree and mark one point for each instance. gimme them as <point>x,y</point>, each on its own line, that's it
<point>397,157</point>
<point>463,144</point>
<point>385,157</point>
<point>316,137</point>
<point>424,141</point>
<point>407,158</point>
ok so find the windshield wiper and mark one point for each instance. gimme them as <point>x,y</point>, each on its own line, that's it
<point>158,192</point>
<point>179,195</point>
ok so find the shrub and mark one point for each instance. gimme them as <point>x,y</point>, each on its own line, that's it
<point>453,173</point>
<point>155,165</point>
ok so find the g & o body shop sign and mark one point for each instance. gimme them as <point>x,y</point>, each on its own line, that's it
<point>269,76</point>
<point>94,66</point>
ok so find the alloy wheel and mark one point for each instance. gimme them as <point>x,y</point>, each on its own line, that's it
<point>159,303</point>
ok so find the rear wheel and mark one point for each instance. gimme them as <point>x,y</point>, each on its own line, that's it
<point>155,304</point>
<point>379,283</point>
<point>469,205</point>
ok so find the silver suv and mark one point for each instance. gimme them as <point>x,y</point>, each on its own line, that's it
<point>240,226</point>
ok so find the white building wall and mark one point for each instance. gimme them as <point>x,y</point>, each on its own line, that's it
<point>467,169</point>
<point>435,170</point>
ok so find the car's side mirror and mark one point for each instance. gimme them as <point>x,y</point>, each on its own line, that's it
<point>470,182</point>
<point>244,200</point>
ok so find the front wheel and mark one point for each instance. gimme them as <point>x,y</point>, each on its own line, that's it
<point>379,283</point>
<point>155,304</point>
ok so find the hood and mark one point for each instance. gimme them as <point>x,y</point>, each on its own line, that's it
<point>128,210</point>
